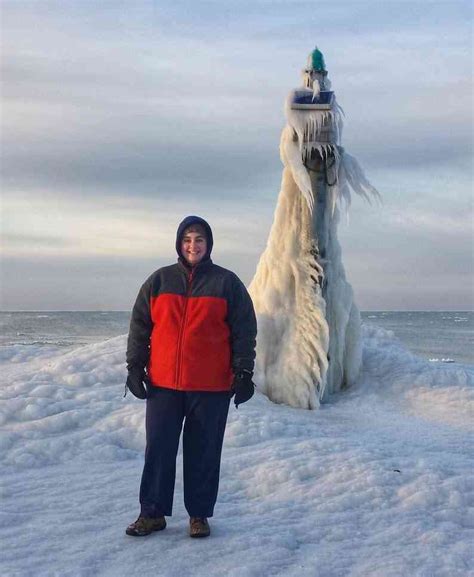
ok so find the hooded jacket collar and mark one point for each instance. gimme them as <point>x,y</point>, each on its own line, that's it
<point>198,268</point>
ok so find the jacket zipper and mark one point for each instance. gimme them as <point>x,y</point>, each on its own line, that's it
<point>181,332</point>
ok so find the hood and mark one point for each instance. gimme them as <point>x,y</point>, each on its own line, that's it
<point>188,221</point>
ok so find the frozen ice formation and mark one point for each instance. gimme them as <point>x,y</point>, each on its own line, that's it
<point>309,325</point>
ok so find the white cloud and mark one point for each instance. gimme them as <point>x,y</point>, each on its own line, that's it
<point>119,120</point>
<point>81,227</point>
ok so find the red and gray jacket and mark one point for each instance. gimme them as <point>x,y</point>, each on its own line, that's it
<point>192,328</point>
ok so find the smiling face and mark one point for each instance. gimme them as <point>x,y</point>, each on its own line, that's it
<point>193,247</point>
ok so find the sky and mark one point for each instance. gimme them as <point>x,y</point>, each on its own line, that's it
<point>120,118</point>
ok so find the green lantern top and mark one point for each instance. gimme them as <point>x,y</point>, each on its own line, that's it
<point>317,60</point>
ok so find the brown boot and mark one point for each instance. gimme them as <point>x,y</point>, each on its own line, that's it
<point>199,527</point>
<point>145,525</point>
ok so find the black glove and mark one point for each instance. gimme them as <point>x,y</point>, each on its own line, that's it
<point>243,387</point>
<point>135,383</point>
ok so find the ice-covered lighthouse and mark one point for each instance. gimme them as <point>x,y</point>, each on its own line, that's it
<point>308,342</point>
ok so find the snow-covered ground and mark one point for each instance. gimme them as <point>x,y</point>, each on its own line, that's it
<point>379,482</point>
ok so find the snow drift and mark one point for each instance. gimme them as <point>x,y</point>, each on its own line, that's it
<point>375,484</point>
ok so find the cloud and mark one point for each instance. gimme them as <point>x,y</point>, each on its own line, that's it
<point>45,225</point>
<point>141,106</point>
<point>48,225</point>
<point>119,119</point>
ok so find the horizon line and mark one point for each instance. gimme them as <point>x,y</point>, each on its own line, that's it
<point>130,310</point>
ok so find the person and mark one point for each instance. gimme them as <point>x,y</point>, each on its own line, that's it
<point>191,347</point>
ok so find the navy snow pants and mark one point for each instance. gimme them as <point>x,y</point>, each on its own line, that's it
<point>205,416</point>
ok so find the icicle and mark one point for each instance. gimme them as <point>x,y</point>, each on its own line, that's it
<point>334,195</point>
<point>356,179</point>
<point>316,88</point>
<point>291,156</point>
